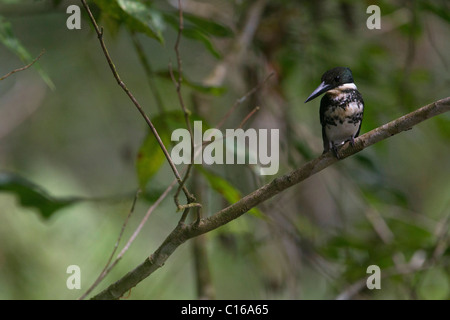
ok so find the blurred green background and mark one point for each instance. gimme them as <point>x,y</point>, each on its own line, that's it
<point>70,137</point>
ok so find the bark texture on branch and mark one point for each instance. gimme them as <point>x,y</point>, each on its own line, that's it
<point>184,232</point>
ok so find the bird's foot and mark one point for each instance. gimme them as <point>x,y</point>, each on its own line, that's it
<point>335,151</point>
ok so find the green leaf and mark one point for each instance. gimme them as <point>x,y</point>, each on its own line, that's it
<point>31,195</point>
<point>434,285</point>
<point>222,186</point>
<point>410,234</point>
<point>110,8</point>
<point>199,35</point>
<point>200,29</point>
<point>137,16</point>
<point>151,195</point>
<point>150,157</point>
<point>211,27</point>
<point>216,91</point>
<point>151,21</point>
<point>9,40</point>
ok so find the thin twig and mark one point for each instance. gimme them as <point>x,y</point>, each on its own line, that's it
<point>177,44</point>
<point>240,44</point>
<point>104,271</point>
<point>186,113</point>
<point>109,266</point>
<point>406,268</point>
<point>23,68</point>
<point>99,32</point>
<point>143,221</point>
<point>242,99</point>
<point>434,45</point>
<point>413,265</point>
<point>148,72</point>
<point>243,122</point>
<point>256,109</point>
<point>238,102</point>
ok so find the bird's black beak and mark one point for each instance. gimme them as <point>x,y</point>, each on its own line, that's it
<point>319,90</point>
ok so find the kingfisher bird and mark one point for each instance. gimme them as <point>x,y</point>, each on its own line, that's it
<point>341,108</point>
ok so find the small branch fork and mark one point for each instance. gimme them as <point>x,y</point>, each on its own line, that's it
<point>99,32</point>
<point>110,265</point>
<point>23,68</point>
<point>183,232</point>
<point>190,198</point>
<point>105,270</point>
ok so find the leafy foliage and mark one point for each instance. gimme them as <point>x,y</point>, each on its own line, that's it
<point>136,15</point>
<point>32,196</point>
<point>145,17</point>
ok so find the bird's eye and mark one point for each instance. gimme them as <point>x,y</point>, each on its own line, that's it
<point>337,78</point>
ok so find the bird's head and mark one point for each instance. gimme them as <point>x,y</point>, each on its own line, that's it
<point>332,79</point>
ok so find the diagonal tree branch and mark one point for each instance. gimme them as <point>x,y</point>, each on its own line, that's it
<point>183,232</point>
<point>99,32</point>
